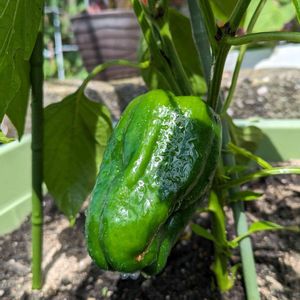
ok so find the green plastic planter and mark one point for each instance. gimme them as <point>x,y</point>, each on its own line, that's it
<point>15,184</point>
<point>281,142</point>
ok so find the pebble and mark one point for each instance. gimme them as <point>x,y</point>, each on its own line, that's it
<point>17,267</point>
<point>65,281</point>
<point>263,90</point>
<point>109,294</point>
<point>146,284</point>
<point>275,284</point>
<point>2,292</point>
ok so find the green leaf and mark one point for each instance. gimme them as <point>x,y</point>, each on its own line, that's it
<point>155,75</point>
<point>76,134</point>
<point>17,108</point>
<point>223,9</point>
<point>181,31</point>
<point>297,8</point>
<point>201,38</point>
<point>273,17</point>
<point>234,169</point>
<point>201,231</point>
<point>262,226</point>
<point>260,174</point>
<point>245,196</point>
<point>4,139</point>
<point>19,25</point>
<point>245,137</point>
<point>275,14</point>
<point>204,30</point>
<point>248,155</point>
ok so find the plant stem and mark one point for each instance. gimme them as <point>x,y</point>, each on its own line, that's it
<point>248,262</point>
<point>36,77</point>
<point>238,13</point>
<point>202,41</point>
<point>240,58</point>
<point>292,37</point>
<point>260,174</point>
<point>217,71</point>
<point>175,63</point>
<point>210,22</point>
<point>247,258</point>
<point>245,153</point>
<point>155,54</point>
<point>234,79</point>
<point>118,62</point>
<point>241,225</point>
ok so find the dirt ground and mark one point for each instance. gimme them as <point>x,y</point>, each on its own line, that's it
<point>260,93</point>
<point>69,273</point>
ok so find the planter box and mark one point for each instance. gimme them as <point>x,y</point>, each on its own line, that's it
<point>252,58</point>
<point>281,142</point>
<point>281,139</point>
<point>281,56</point>
<point>15,184</point>
<point>109,35</point>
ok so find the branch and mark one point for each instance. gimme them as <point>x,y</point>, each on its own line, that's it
<point>292,37</point>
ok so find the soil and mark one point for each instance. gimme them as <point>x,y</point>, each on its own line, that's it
<point>69,272</point>
<point>260,93</point>
<point>269,93</point>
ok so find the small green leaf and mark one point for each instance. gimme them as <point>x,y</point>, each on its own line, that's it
<point>76,134</point>
<point>260,174</point>
<point>201,231</point>
<point>297,8</point>
<point>245,196</point>
<point>235,169</point>
<point>266,225</point>
<point>4,139</point>
<point>223,9</point>
<point>262,226</point>
<point>248,155</point>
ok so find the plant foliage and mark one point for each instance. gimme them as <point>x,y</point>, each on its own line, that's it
<point>76,133</point>
<point>20,21</point>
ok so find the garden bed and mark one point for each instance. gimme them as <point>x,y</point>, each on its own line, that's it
<point>70,274</point>
<point>270,94</point>
<point>68,270</point>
